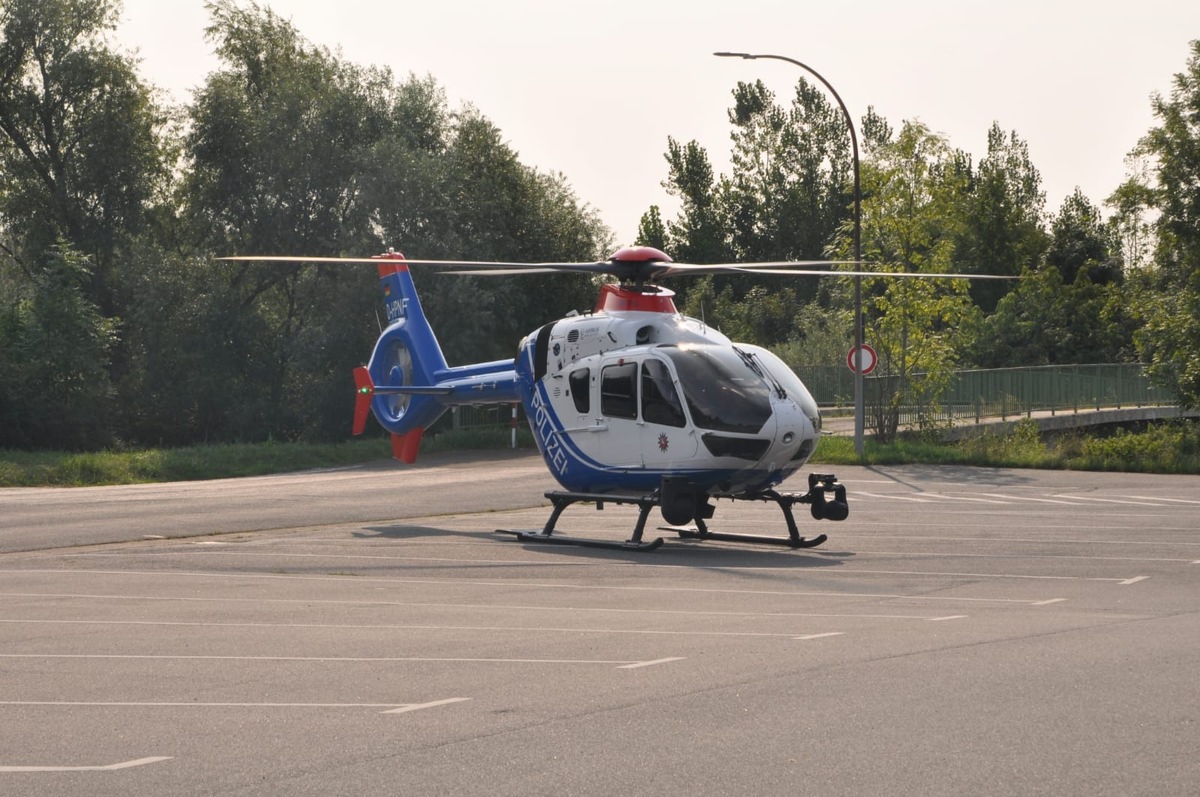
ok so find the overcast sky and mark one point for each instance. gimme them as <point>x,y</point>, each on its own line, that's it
<point>593,90</point>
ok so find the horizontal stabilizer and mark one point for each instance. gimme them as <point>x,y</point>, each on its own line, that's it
<point>412,390</point>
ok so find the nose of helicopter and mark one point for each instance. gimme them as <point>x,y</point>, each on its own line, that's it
<point>795,438</point>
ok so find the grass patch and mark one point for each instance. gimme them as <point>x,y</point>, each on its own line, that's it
<point>50,468</point>
<point>1168,447</point>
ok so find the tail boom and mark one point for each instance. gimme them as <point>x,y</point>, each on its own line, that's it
<point>407,385</point>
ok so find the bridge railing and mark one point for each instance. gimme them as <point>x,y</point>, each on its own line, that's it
<point>1000,392</point>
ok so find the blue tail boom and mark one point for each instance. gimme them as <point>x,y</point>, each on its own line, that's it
<point>407,385</point>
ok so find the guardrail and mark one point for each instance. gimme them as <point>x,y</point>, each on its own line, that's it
<point>1001,392</point>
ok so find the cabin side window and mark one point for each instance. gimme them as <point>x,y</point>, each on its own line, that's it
<point>660,400</point>
<point>618,391</point>
<point>581,389</point>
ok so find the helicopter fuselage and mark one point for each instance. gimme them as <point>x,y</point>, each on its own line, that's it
<point>634,391</point>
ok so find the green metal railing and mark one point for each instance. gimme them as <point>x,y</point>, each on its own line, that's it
<point>1001,392</point>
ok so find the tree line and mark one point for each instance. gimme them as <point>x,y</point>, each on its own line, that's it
<point>119,327</point>
<point>1091,289</point>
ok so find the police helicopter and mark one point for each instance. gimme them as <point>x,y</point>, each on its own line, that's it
<point>629,403</point>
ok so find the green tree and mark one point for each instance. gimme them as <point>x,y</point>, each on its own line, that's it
<point>652,231</point>
<point>54,355</point>
<point>278,139</point>
<point>470,197</point>
<point>1001,218</point>
<point>911,186</point>
<point>1169,341</point>
<point>792,169</point>
<point>278,143</point>
<point>1072,308</point>
<point>789,190</point>
<point>699,233</point>
<point>81,143</point>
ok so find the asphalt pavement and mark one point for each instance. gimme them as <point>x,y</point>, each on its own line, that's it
<point>366,631</point>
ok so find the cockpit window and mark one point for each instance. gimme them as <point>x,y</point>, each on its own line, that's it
<point>722,391</point>
<point>660,401</point>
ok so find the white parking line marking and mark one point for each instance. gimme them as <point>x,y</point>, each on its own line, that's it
<point>327,659</point>
<point>639,664</point>
<point>490,628</point>
<point>573,587</point>
<point>1041,540</point>
<point>1047,603</point>
<point>418,706</point>
<point>807,637</point>
<point>528,607</point>
<point>894,497</point>
<point>1108,500</point>
<point>958,555</point>
<point>140,762</point>
<point>948,617</point>
<point>939,573</point>
<point>392,708</point>
<point>1133,580</point>
<point>1024,498</point>
<point>966,498</point>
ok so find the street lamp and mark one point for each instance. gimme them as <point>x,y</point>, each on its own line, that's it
<point>858,314</point>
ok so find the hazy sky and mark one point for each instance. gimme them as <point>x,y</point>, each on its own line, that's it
<point>593,90</point>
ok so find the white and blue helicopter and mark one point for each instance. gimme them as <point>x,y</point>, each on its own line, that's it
<point>630,403</point>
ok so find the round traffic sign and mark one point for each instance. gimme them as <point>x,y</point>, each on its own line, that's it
<point>866,359</point>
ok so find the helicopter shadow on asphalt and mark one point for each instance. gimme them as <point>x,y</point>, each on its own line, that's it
<point>918,476</point>
<point>745,558</point>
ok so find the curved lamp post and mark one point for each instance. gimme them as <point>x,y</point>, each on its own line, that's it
<point>858,314</point>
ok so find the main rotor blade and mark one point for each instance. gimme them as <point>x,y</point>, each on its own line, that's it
<point>901,274</point>
<point>769,264</point>
<point>407,260</point>
<point>510,272</point>
<point>644,269</point>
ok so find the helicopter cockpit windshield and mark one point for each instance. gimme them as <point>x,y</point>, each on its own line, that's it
<point>722,391</point>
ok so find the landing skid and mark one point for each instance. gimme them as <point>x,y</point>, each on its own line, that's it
<point>562,500</point>
<point>819,485</point>
<point>784,500</point>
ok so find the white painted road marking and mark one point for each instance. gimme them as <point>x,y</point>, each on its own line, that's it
<point>392,708</point>
<point>624,664</point>
<point>488,628</point>
<point>141,762</point>
<point>1133,580</point>
<point>1109,500</point>
<point>502,607</point>
<point>895,497</point>
<point>560,586</point>
<point>819,636</point>
<point>1023,498</point>
<point>419,706</point>
<point>965,498</point>
<point>639,664</point>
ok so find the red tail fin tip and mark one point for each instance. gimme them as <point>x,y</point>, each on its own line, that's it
<point>405,446</point>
